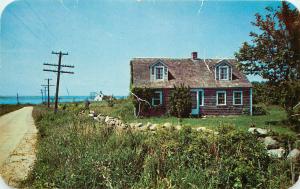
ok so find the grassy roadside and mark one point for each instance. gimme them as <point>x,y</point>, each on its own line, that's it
<point>73,151</point>
<point>273,120</point>
<point>6,108</point>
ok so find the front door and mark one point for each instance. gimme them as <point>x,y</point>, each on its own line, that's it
<point>197,100</point>
<point>194,102</point>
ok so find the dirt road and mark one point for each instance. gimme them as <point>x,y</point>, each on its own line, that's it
<point>17,144</point>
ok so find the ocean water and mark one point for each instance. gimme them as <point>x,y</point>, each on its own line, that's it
<point>38,99</point>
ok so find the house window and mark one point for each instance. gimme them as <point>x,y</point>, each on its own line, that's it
<point>157,98</point>
<point>159,72</point>
<point>237,97</point>
<point>223,72</point>
<point>221,97</point>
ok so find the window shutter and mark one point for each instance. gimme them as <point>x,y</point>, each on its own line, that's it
<point>166,73</point>
<point>151,73</point>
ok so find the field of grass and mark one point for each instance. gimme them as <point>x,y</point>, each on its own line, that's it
<point>73,151</point>
<point>273,120</point>
<point>6,108</point>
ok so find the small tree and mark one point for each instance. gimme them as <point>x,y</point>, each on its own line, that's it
<point>181,101</point>
<point>274,53</point>
<point>141,98</point>
<point>263,93</point>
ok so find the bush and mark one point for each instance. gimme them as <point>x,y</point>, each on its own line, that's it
<point>110,100</point>
<point>181,101</point>
<point>259,110</point>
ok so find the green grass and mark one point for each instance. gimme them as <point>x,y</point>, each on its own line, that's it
<point>242,122</point>
<point>73,151</point>
<point>276,114</point>
<point>6,108</point>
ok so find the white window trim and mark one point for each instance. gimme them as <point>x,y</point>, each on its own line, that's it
<point>234,97</point>
<point>160,98</point>
<point>202,91</point>
<point>163,73</point>
<point>225,100</point>
<point>216,73</point>
<point>202,101</point>
<point>227,67</point>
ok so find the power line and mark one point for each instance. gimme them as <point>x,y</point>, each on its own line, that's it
<point>28,28</point>
<point>40,19</point>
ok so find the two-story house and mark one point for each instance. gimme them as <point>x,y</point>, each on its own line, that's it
<point>217,86</point>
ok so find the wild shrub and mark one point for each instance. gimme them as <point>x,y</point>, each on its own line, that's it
<point>181,101</point>
<point>259,110</point>
<point>110,100</point>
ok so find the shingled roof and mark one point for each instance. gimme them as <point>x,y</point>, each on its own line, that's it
<point>197,73</point>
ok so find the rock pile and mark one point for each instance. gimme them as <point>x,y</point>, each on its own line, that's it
<point>278,153</point>
<point>270,143</point>
<point>258,131</point>
<point>119,124</point>
<point>111,121</point>
<point>274,148</point>
<point>294,154</point>
<point>206,130</point>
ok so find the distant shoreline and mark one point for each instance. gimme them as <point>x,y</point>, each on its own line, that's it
<point>38,99</point>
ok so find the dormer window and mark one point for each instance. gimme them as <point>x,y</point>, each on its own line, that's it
<point>223,70</point>
<point>159,71</point>
<point>224,73</point>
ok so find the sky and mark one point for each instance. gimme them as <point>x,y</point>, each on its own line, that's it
<point>102,37</point>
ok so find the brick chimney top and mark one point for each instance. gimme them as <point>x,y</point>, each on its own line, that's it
<point>194,55</point>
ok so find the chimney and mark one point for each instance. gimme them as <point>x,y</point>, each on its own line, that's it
<point>194,55</point>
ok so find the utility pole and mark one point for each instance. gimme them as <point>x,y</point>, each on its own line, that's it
<point>58,71</point>
<point>48,86</point>
<point>45,93</point>
<point>42,96</point>
<point>18,98</point>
